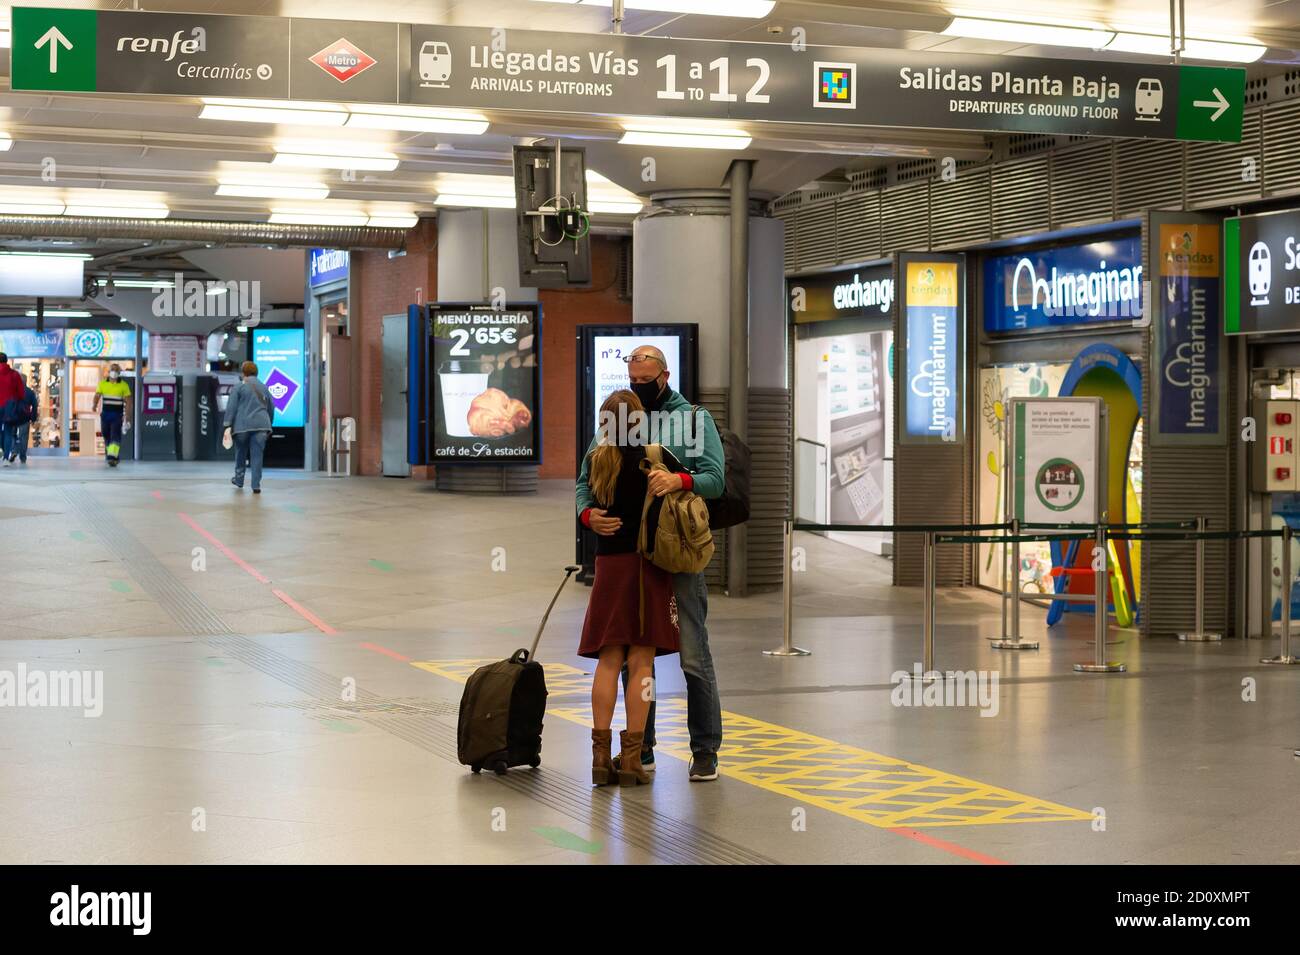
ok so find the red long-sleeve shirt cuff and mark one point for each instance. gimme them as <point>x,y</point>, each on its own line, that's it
<point>585,517</point>
<point>688,482</point>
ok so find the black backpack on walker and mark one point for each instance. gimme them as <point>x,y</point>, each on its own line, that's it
<point>501,711</point>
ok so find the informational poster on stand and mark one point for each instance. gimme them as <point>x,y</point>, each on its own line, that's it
<point>933,325</point>
<point>281,364</point>
<point>1188,387</point>
<point>486,385</point>
<point>179,354</point>
<point>610,367</point>
<point>1057,459</point>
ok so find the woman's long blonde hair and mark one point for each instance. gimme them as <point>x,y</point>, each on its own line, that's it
<point>606,459</point>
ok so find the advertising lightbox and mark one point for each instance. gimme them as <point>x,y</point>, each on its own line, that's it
<point>1261,261</point>
<point>485,366</point>
<point>932,322</point>
<point>281,364</point>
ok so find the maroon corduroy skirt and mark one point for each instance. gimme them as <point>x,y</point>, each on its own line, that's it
<point>612,613</point>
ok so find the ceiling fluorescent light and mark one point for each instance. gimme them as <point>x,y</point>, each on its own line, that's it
<point>689,137</point>
<point>1029,34</point>
<point>317,218</point>
<point>60,313</point>
<point>138,283</point>
<point>53,255</point>
<point>316,160</point>
<point>5,39</point>
<point>215,288</point>
<point>31,208</point>
<point>272,190</point>
<point>274,111</point>
<point>119,212</point>
<point>614,207</point>
<point>752,9</point>
<point>474,202</point>
<point>6,142</point>
<point>329,156</point>
<point>1230,51</point>
<point>393,222</point>
<point>474,184</point>
<point>412,119</point>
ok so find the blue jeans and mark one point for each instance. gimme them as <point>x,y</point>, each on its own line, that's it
<point>8,437</point>
<point>21,439</point>
<point>249,448</point>
<point>703,703</point>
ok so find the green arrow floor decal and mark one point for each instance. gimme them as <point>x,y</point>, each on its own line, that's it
<point>121,586</point>
<point>380,564</point>
<point>567,840</point>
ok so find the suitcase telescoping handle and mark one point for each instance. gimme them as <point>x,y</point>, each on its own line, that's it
<point>523,656</point>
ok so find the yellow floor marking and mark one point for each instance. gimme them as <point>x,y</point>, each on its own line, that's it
<point>879,790</point>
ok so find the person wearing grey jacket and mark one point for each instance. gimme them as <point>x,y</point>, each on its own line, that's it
<point>249,414</point>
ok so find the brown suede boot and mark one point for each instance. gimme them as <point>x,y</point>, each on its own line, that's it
<point>630,771</point>
<point>602,768</point>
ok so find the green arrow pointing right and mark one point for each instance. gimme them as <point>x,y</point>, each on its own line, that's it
<point>53,49</point>
<point>1211,100</point>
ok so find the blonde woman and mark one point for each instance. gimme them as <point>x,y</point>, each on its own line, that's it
<point>632,615</point>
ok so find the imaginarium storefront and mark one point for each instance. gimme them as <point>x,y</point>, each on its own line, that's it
<point>1062,318</point>
<point>843,399</point>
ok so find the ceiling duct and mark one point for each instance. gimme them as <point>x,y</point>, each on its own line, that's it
<point>195,230</point>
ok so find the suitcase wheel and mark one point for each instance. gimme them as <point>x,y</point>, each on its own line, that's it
<point>499,767</point>
<point>535,762</point>
<point>476,767</point>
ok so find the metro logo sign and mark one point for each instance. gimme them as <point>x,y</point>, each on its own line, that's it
<point>342,60</point>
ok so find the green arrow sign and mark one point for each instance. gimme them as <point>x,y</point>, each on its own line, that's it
<point>1210,103</point>
<point>53,49</point>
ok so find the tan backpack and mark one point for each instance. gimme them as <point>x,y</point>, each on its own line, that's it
<point>683,543</point>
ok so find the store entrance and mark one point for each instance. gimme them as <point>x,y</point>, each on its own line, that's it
<point>46,378</point>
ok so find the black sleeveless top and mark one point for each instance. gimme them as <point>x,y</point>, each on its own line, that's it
<point>629,498</point>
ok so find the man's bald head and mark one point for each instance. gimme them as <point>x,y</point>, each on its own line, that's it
<point>644,352</point>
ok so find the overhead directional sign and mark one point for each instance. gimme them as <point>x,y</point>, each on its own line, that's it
<point>614,75</point>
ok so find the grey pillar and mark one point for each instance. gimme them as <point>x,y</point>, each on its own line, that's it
<point>137,398</point>
<point>738,357</point>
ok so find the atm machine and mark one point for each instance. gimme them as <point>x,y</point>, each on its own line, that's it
<point>159,411</point>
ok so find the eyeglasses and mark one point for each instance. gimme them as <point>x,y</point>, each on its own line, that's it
<point>631,358</point>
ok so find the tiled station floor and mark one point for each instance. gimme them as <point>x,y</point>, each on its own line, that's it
<point>281,675</point>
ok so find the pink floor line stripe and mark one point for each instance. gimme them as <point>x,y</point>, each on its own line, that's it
<point>385,651</point>
<point>950,847</point>
<point>306,614</point>
<point>157,494</point>
<point>224,549</point>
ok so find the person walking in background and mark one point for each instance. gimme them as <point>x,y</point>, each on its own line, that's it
<point>249,414</point>
<point>12,388</point>
<point>112,399</point>
<point>30,411</point>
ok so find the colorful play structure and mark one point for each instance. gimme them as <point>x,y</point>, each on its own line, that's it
<point>1104,372</point>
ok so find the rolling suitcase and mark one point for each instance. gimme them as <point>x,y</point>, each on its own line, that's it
<point>501,710</point>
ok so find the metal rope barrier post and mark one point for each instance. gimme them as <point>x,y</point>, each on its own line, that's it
<point>1198,635</point>
<point>1284,651</point>
<point>1101,584</point>
<point>927,615</point>
<point>788,649</point>
<point>1013,581</point>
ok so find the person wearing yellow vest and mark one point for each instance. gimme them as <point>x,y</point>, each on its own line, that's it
<point>112,403</point>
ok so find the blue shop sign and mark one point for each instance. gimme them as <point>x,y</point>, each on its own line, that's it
<point>327,265</point>
<point>1065,285</point>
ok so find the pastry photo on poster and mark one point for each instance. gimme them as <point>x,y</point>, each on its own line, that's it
<point>486,383</point>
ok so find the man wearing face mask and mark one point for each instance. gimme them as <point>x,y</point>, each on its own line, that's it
<point>693,439</point>
<point>112,399</point>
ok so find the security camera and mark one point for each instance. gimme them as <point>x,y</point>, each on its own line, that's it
<point>109,287</point>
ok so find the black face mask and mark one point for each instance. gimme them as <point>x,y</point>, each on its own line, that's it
<point>648,392</point>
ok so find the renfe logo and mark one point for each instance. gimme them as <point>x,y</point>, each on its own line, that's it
<point>343,61</point>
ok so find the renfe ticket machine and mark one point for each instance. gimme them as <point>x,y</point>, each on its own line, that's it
<point>158,407</point>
